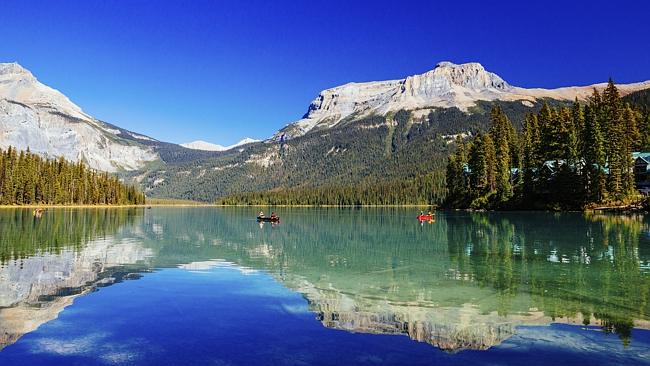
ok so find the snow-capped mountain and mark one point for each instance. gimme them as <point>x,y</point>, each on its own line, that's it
<point>35,116</point>
<point>447,85</point>
<point>207,146</point>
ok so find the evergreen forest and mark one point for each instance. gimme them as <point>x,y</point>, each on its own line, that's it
<point>561,156</point>
<point>26,178</point>
<point>565,157</point>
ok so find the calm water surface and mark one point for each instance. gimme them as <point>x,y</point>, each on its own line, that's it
<point>210,286</point>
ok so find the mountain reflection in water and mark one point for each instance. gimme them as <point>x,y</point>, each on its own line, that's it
<point>466,281</point>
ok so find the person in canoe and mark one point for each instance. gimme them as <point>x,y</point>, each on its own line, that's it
<point>425,217</point>
<point>272,218</point>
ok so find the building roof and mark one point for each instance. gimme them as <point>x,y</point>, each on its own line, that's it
<point>645,156</point>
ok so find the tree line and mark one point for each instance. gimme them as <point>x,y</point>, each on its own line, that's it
<point>422,190</point>
<point>26,178</point>
<point>564,157</point>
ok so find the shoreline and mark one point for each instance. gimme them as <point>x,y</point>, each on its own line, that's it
<point>600,209</point>
<point>326,206</point>
<point>92,206</point>
<point>197,205</point>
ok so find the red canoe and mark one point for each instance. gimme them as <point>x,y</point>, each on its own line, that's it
<point>425,217</point>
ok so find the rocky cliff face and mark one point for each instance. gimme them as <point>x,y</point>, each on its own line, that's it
<point>35,116</point>
<point>447,85</point>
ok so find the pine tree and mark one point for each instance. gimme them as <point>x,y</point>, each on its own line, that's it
<point>631,143</point>
<point>577,118</point>
<point>590,146</point>
<point>644,140</point>
<point>571,139</point>
<point>593,152</point>
<point>531,162</point>
<point>503,187</point>
<point>617,149</point>
<point>478,167</point>
<point>549,133</point>
<point>26,178</point>
<point>490,162</point>
<point>631,118</point>
<point>501,135</point>
<point>456,182</point>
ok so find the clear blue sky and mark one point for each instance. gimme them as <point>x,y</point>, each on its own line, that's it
<point>221,70</point>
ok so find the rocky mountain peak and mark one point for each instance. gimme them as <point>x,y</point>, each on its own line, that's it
<point>35,116</point>
<point>470,75</point>
<point>448,85</point>
<point>15,71</point>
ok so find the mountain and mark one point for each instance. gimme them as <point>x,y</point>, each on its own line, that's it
<point>367,134</point>
<point>207,146</point>
<point>358,134</point>
<point>35,116</point>
<point>448,85</point>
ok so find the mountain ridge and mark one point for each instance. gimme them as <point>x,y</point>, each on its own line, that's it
<point>448,85</point>
<point>362,134</point>
<point>37,117</point>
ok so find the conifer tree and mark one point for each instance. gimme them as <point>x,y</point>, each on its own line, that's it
<point>569,137</point>
<point>457,185</point>
<point>631,143</point>
<point>490,162</point>
<point>549,132</point>
<point>26,178</point>
<point>617,150</point>
<point>644,139</point>
<point>500,134</point>
<point>568,156</point>
<point>531,162</point>
<point>630,118</point>
<point>478,167</point>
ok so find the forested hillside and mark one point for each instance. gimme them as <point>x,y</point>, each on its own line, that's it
<point>347,163</point>
<point>508,155</point>
<point>639,100</point>
<point>26,178</point>
<point>564,158</point>
<point>421,190</point>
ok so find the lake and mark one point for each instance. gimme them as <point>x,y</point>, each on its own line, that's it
<point>211,286</point>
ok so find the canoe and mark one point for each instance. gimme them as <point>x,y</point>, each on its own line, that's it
<point>425,217</point>
<point>268,219</point>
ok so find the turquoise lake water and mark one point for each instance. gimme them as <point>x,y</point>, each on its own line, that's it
<point>211,286</point>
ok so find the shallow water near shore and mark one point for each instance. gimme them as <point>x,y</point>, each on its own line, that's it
<point>325,286</point>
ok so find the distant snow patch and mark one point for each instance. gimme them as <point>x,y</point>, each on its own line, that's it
<point>208,146</point>
<point>141,137</point>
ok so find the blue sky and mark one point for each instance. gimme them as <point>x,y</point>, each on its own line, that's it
<point>222,70</point>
